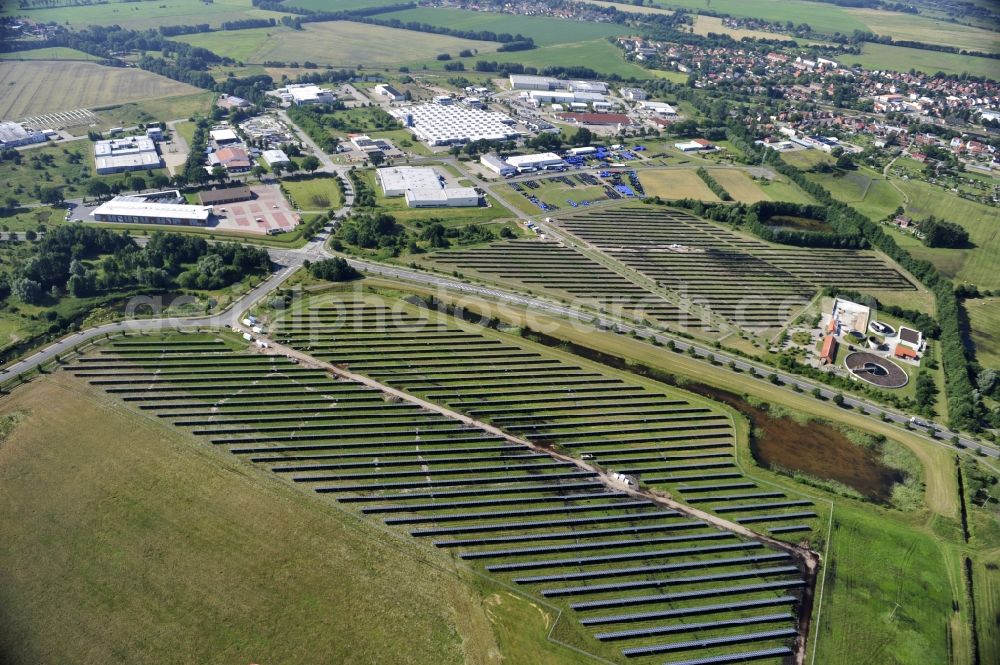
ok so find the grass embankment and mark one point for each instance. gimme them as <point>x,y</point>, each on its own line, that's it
<point>126,540</point>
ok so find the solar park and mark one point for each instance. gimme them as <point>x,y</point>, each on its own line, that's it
<point>647,584</point>
<point>746,281</point>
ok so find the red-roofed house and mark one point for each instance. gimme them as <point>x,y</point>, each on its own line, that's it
<point>829,353</point>
<point>234,160</point>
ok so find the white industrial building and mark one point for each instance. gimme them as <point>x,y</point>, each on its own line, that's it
<point>138,210</point>
<point>390,93</point>
<point>129,153</point>
<point>437,124</point>
<point>272,157</point>
<point>223,136</point>
<point>526,82</point>
<point>304,93</point>
<point>424,188</point>
<point>539,97</point>
<point>633,94</point>
<point>497,165</point>
<point>658,108</point>
<point>537,162</point>
<point>12,134</point>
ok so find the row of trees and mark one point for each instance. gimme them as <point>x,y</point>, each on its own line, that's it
<point>713,184</point>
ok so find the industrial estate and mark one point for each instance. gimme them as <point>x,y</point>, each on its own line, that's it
<point>542,332</point>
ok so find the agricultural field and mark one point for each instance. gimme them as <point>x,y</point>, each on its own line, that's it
<point>599,55</point>
<point>145,15</point>
<point>545,31</point>
<point>515,513</point>
<point>676,184</point>
<point>50,53</point>
<point>156,548</point>
<point>335,43</point>
<point>314,194</point>
<point>740,185</point>
<point>984,321</point>
<point>34,87</point>
<point>744,280</point>
<point>820,16</point>
<point>899,58</point>
<point>910,27</point>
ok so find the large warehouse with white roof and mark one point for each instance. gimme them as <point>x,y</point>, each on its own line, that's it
<point>423,188</point>
<point>139,210</point>
<point>130,153</point>
<point>447,124</point>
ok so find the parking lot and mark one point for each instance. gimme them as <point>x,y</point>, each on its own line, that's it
<point>268,206</point>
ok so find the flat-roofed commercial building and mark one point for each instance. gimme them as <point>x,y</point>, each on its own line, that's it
<point>272,157</point>
<point>424,188</point>
<point>448,124</point>
<point>497,165</point>
<point>12,135</point>
<point>137,210</point>
<point>540,161</point>
<point>213,197</point>
<point>129,153</point>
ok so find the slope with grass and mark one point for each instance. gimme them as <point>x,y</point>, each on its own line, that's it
<point>914,27</point>
<point>126,540</point>
<point>984,321</point>
<point>899,58</point>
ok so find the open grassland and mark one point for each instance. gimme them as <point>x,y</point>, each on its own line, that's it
<point>984,320</point>
<point>888,594</point>
<point>163,109</point>
<point>144,15</point>
<point>314,194</point>
<point>127,540</point>
<point>51,53</point>
<point>600,55</point>
<point>630,8</point>
<point>545,31</point>
<point>986,582</point>
<point>821,17</point>
<point>910,27</point>
<point>739,185</point>
<point>978,265</point>
<point>33,87</point>
<point>676,184</point>
<point>899,58</point>
<point>338,5</point>
<point>340,43</point>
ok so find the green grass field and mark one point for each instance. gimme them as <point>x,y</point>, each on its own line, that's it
<point>314,194</point>
<point>899,58</point>
<point>820,16</point>
<point>125,539</point>
<point>984,319</point>
<point>704,25</point>
<point>339,43</point>
<point>40,86</point>
<point>676,184</point>
<point>739,185</point>
<point>163,109</point>
<point>910,27</point>
<point>144,15</point>
<point>545,31</point>
<point>51,53</point>
<point>598,54</point>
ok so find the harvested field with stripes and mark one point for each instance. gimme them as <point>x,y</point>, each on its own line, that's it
<point>754,284</point>
<point>639,581</point>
